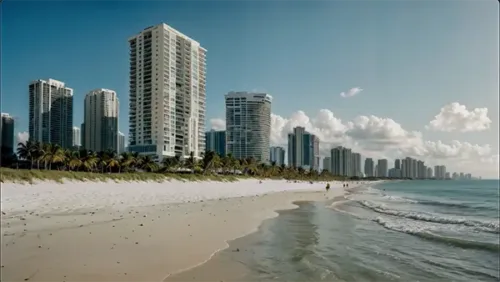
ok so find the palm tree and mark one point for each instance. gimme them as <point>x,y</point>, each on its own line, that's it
<point>74,160</point>
<point>90,161</point>
<point>52,154</point>
<point>148,164</point>
<point>26,151</point>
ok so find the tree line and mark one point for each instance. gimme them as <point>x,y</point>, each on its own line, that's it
<point>46,156</point>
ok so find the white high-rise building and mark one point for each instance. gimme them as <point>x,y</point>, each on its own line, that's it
<point>101,111</point>
<point>77,137</point>
<point>248,125</point>
<point>167,93</point>
<point>382,168</point>
<point>121,142</point>
<point>51,112</point>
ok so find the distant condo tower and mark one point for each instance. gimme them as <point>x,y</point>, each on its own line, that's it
<point>77,137</point>
<point>248,125</point>
<point>167,93</point>
<point>51,112</point>
<point>101,120</point>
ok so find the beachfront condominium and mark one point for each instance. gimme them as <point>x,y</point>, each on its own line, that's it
<point>303,149</point>
<point>215,141</point>
<point>382,167</point>
<point>356,164</point>
<point>7,135</point>
<point>429,172</point>
<point>277,155</point>
<point>51,112</point>
<point>248,125</point>
<point>369,169</point>
<point>440,172</point>
<point>101,110</point>
<point>341,161</point>
<point>77,137</point>
<point>121,142</point>
<point>327,164</point>
<point>167,94</point>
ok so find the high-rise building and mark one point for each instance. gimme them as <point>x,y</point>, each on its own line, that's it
<point>167,93</point>
<point>7,135</point>
<point>420,170</point>
<point>429,172</point>
<point>121,142</point>
<point>440,172</point>
<point>101,111</point>
<point>248,125</point>
<point>341,161</point>
<point>215,141</point>
<point>382,167</point>
<point>51,112</point>
<point>82,135</point>
<point>397,164</point>
<point>77,137</point>
<point>327,164</point>
<point>303,149</point>
<point>369,169</point>
<point>277,155</point>
<point>356,164</point>
<point>447,175</point>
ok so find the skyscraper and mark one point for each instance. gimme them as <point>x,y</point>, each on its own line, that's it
<point>167,93</point>
<point>382,167</point>
<point>277,155</point>
<point>51,112</point>
<point>356,165</point>
<point>327,164</point>
<point>341,161</point>
<point>248,125</point>
<point>121,142</point>
<point>101,111</point>
<point>303,149</point>
<point>215,141</point>
<point>77,138</point>
<point>7,135</point>
<point>397,164</point>
<point>369,169</point>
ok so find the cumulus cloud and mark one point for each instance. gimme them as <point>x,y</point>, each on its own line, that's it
<point>456,117</point>
<point>22,137</point>
<point>217,124</point>
<point>351,92</point>
<point>379,137</point>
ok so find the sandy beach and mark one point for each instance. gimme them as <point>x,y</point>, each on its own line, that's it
<point>95,231</point>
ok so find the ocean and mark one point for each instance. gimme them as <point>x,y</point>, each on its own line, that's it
<point>394,231</point>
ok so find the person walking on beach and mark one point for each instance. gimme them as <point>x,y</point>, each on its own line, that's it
<point>327,187</point>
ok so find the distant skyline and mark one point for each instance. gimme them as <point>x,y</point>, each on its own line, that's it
<point>385,78</point>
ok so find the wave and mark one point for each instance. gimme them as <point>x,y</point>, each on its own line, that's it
<point>399,199</point>
<point>488,226</point>
<point>466,244</point>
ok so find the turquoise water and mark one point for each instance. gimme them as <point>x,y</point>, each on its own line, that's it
<point>398,231</point>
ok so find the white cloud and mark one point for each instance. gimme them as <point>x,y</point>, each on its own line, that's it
<point>456,117</point>
<point>217,124</point>
<point>378,137</point>
<point>351,92</point>
<point>22,137</point>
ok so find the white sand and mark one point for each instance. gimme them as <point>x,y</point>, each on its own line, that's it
<point>133,231</point>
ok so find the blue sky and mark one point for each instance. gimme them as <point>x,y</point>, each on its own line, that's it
<point>410,57</point>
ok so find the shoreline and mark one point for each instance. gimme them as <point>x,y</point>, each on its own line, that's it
<point>176,226</point>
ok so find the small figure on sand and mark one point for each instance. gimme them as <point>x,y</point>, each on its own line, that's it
<point>327,187</point>
<point>343,185</point>
<point>347,185</point>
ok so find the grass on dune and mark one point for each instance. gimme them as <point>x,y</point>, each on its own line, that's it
<point>31,176</point>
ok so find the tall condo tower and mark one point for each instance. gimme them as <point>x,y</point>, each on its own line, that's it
<point>51,112</point>
<point>248,125</point>
<point>7,135</point>
<point>101,120</point>
<point>167,93</point>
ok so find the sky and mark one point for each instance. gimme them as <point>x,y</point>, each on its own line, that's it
<point>387,78</point>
